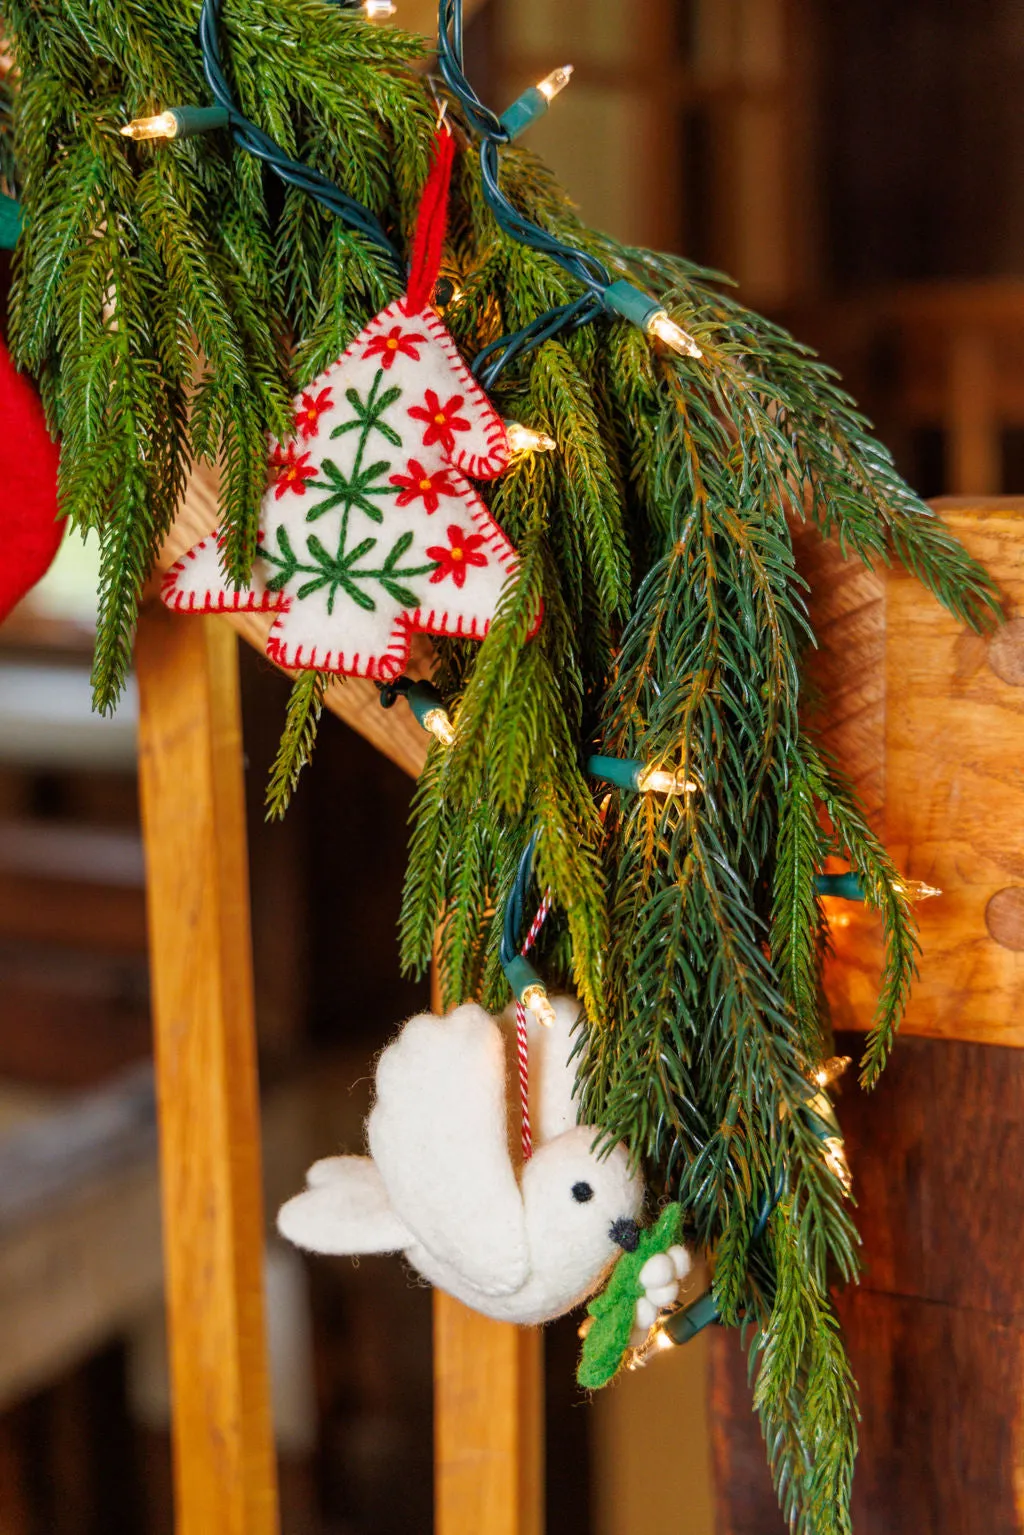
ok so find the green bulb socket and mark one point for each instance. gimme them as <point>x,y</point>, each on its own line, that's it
<point>639,308</point>
<point>423,700</point>
<point>192,120</point>
<point>521,975</point>
<point>686,1324</point>
<point>846,886</point>
<point>524,111</point>
<point>623,772</point>
<point>10,222</point>
<point>821,1117</point>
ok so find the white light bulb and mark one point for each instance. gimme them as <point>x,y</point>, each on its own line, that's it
<point>523,439</point>
<point>438,722</point>
<point>673,335</point>
<point>835,1161</point>
<point>378,10</point>
<point>163,126</point>
<point>664,781</point>
<point>556,81</point>
<point>831,1069</point>
<point>916,889</point>
<point>536,1000</point>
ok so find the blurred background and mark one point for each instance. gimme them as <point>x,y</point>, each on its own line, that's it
<point>856,169</point>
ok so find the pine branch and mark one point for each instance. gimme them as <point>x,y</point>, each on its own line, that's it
<point>305,705</point>
<point>797,921</point>
<point>169,297</point>
<point>884,892</point>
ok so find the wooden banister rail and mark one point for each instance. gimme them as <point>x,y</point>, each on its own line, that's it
<point>394,731</point>
<point>928,720</point>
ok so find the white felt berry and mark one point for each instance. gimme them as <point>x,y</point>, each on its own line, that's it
<point>657,1271</point>
<point>682,1263</point>
<point>646,1313</point>
<point>663,1295</point>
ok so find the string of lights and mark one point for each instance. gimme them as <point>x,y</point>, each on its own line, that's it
<point>526,984</point>
<point>183,121</point>
<point>602,293</point>
<point>682,1324</point>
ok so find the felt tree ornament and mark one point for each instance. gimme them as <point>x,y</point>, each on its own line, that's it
<point>370,529</point>
<point>521,1245</point>
<point>31,528</point>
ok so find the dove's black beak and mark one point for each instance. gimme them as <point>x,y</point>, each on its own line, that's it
<point>626,1233</point>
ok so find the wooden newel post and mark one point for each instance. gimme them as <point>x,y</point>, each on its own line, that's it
<point>488,1416</point>
<point>190,757</point>
<point>488,1424</point>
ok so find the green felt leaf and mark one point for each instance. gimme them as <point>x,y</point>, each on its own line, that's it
<point>607,1338</point>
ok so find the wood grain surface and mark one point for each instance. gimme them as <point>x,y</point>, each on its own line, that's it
<point>927,718</point>
<point>190,766</point>
<point>488,1416</point>
<point>355,700</point>
<point>488,1424</point>
<point>936,1328</point>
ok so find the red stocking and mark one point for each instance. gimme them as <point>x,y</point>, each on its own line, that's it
<point>30,533</point>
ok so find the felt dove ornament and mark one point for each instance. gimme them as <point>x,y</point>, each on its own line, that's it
<point>370,529</point>
<point>440,1186</point>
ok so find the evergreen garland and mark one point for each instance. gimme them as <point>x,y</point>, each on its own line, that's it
<point>170,297</point>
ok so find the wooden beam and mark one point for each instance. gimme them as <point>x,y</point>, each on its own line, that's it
<point>934,1329</point>
<point>488,1424</point>
<point>488,1416</point>
<point>193,816</point>
<point>393,732</point>
<point>927,718</point>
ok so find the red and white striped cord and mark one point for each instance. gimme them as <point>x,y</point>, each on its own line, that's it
<point>522,1041</point>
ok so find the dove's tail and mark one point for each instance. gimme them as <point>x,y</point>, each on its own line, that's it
<point>344,1209</point>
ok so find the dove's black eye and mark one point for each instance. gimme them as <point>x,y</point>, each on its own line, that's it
<point>581,1192</point>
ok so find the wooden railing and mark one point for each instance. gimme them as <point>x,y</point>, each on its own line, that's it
<point>928,720</point>
<point>925,717</point>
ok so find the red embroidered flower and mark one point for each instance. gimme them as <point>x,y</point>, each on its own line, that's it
<point>388,347</point>
<point>455,560</point>
<point>443,421</point>
<point>417,482</point>
<point>292,472</point>
<point>309,412</point>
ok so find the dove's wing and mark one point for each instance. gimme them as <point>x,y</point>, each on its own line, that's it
<point>438,1134</point>
<point>344,1209</point>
